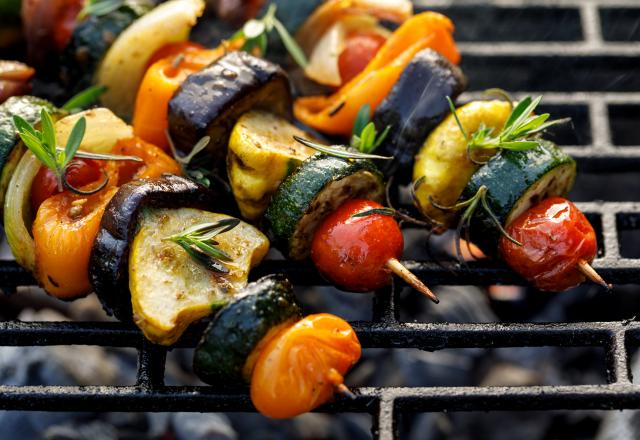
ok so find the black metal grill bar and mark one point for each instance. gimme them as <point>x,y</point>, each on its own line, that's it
<point>424,336</point>
<point>418,399</point>
<point>600,154</point>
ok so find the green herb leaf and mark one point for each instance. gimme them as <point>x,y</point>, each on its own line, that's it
<point>290,44</point>
<point>520,131</point>
<point>198,242</point>
<point>74,141</point>
<point>362,119</point>
<point>339,150</point>
<point>84,99</point>
<point>48,132</point>
<point>255,32</point>
<point>98,8</point>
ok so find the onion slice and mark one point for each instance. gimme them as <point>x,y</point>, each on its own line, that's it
<point>311,32</point>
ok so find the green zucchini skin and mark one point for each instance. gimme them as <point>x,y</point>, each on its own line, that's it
<point>11,148</point>
<point>238,328</point>
<point>509,176</point>
<point>91,39</point>
<point>210,102</point>
<point>109,262</point>
<point>27,107</point>
<point>414,107</point>
<point>294,197</point>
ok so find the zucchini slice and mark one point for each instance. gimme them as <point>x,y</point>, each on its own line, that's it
<point>226,351</point>
<point>169,289</point>
<point>109,263</point>
<point>210,102</point>
<point>319,186</point>
<point>416,105</point>
<point>91,39</point>
<point>262,153</point>
<point>442,164</point>
<point>515,181</point>
<point>11,148</point>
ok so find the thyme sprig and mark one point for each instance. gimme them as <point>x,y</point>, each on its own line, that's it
<point>255,33</point>
<point>341,151</point>
<point>365,137</point>
<point>188,163</point>
<point>470,206</point>
<point>43,144</point>
<point>198,241</point>
<point>520,132</point>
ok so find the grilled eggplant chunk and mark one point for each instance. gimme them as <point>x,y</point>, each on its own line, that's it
<point>223,354</point>
<point>317,188</point>
<point>210,102</point>
<point>169,289</point>
<point>416,105</point>
<point>109,264</point>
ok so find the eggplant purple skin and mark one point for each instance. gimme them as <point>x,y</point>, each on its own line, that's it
<point>210,102</point>
<point>109,262</point>
<point>414,107</point>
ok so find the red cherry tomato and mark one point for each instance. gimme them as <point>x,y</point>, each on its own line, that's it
<point>360,48</point>
<point>555,236</point>
<point>353,252</point>
<point>80,172</point>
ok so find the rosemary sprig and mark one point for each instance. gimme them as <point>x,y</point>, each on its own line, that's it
<point>255,33</point>
<point>390,212</point>
<point>365,137</point>
<point>84,99</point>
<point>198,241</point>
<point>201,175</point>
<point>43,144</point>
<point>470,206</point>
<point>339,150</point>
<point>520,131</point>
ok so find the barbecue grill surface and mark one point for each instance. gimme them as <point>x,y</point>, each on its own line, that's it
<point>585,60</point>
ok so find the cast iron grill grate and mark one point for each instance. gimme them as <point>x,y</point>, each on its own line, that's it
<point>577,55</point>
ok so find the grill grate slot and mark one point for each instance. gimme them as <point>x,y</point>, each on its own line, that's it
<point>584,61</point>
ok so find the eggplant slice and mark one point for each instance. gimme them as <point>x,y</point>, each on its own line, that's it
<point>416,105</point>
<point>109,263</point>
<point>210,102</point>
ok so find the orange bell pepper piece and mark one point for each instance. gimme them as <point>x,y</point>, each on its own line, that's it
<point>302,367</point>
<point>64,230</point>
<point>156,161</point>
<point>161,81</point>
<point>335,114</point>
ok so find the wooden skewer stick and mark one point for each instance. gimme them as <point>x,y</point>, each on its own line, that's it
<point>590,272</point>
<point>396,267</point>
<point>344,390</point>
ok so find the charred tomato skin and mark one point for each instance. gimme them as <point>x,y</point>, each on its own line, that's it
<point>353,252</point>
<point>555,236</point>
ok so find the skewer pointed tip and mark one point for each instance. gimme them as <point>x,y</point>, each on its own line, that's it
<point>589,272</point>
<point>344,391</point>
<point>396,267</point>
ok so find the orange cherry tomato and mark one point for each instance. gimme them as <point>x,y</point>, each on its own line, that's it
<point>353,252</point>
<point>555,236</point>
<point>298,370</point>
<point>162,79</point>
<point>80,172</point>
<point>155,161</point>
<point>64,230</point>
<point>360,48</point>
